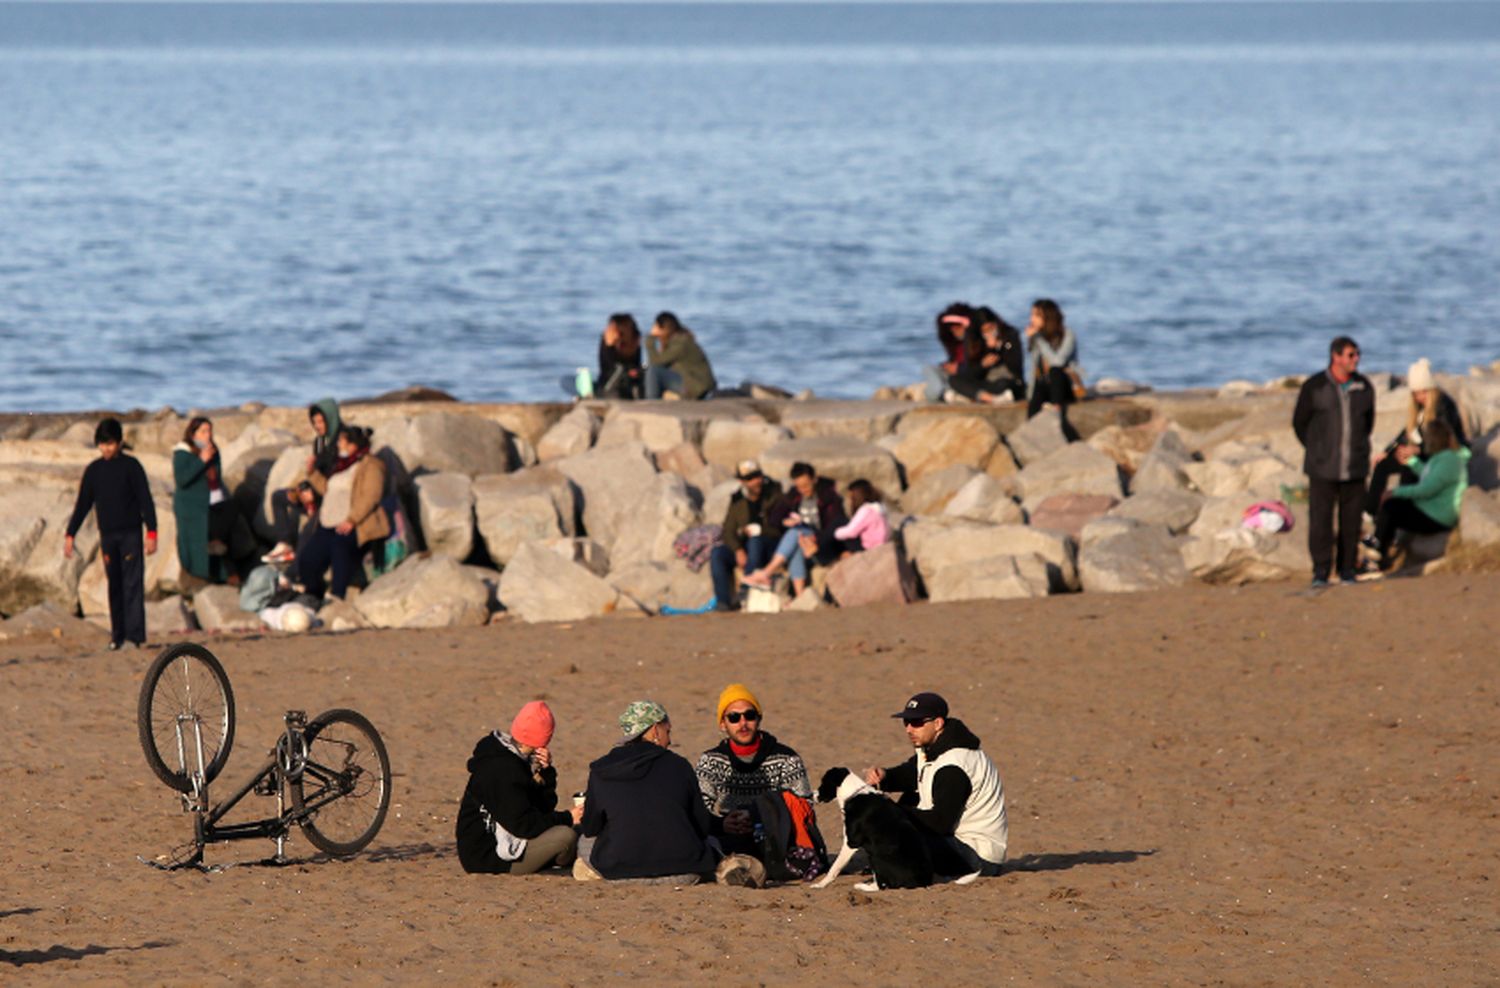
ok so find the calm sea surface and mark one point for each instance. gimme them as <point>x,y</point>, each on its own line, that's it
<point>203,204</point>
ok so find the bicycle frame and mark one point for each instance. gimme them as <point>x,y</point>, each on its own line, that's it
<point>287,761</point>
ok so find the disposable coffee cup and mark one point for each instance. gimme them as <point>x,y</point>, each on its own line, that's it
<point>752,530</point>
<point>578,799</point>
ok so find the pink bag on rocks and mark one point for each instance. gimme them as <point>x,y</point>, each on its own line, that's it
<point>1268,516</point>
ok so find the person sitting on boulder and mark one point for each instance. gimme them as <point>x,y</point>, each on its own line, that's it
<point>1431,505</point>
<point>351,518</point>
<point>114,487</point>
<point>1428,402</point>
<point>869,528</point>
<point>992,364</point>
<point>288,505</point>
<point>809,514</point>
<point>760,790</point>
<point>1054,359</point>
<point>643,806</point>
<point>747,533</point>
<point>951,324</point>
<point>677,363</point>
<point>508,821</point>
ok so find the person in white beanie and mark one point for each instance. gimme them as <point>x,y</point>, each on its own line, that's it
<point>1429,403</point>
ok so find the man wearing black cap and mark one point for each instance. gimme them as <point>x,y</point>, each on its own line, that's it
<point>748,537</point>
<point>959,798</point>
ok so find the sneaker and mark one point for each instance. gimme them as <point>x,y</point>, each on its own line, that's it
<point>280,553</point>
<point>1319,582</point>
<point>1369,571</point>
<point>1348,577</point>
<point>114,646</point>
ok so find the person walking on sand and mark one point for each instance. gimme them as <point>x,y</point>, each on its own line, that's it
<point>114,487</point>
<point>508,821</point>
<point>960,799</point>
<point>1334,417</point>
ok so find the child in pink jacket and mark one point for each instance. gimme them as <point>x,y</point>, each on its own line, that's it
<point>869,522</point>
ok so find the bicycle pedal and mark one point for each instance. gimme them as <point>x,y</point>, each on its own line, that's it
<point>266,786</point>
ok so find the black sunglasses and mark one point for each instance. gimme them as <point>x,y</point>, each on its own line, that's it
<point>914,722</point>
<point>734,717</point>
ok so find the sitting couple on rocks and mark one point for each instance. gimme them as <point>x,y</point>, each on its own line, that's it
<point>743,816</point>
<point>767,531</point>
<point>676,365</point>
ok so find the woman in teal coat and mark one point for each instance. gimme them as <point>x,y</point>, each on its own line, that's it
<point>1430,505</point>
<point>205,515</point>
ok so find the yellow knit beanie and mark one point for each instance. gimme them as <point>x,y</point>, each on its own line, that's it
<point>733,693</point>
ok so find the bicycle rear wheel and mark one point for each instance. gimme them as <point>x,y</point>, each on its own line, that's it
<point>184,698</point>
<point>345,788</point>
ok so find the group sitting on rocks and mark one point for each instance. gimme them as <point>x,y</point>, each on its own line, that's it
<point>743,815</point>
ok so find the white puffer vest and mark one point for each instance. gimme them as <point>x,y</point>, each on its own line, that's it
<point>982,825</point>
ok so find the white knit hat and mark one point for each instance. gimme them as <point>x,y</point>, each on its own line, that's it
<point>1419,376</point>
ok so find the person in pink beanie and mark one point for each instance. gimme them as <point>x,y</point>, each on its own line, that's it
<point>508,820</point>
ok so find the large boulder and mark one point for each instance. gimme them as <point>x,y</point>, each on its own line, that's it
<point>46,618</point>
<point>932,493</point>
<point>1127,445</point>
<point>1479,519</point>
<point>864,421</point>
<point>1077,468</point>
<point>439,442</point>
<point>574,433</point>
<point>837,456</point>
<point>876,576</point>
<point>933,544</point>
<point>930,443</point>
<point>991,578</point>
<point>661,425</point>
<point>1237,556</point>
<point>540,585</point>
<point>1174,510</point>
<point>585,552</point>
<point>726,442</point>
<point>535,503</point>
<point>1037,437</point>
<point>665,510</point>
<point>1071,512</point>
<point>984,499</point>
<point>1162,468</point>
<point>1237,468</point>
<point>169,616</point>
<point>1484,468</point>
<point>33,524</point>
<point>445,509</point>
<point>614,481</point>
<point>217,608</point>
<point>1140,557</point>
<point>716,501</point>
<point>285,472</point>
<point>654,585</point>
<point>426,592</point>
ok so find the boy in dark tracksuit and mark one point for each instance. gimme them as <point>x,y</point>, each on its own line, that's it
<point>115,487</point>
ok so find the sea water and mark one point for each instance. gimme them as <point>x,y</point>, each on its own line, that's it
<point>203,204</point>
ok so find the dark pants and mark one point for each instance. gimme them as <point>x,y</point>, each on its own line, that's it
<point>286,513</point>
<point>328,548</point>
<point>1325,498</point>
<point>721,565</point>
<point>125,569</point>
<point>1055,387</point>
<point>1381,478</point>
<point>1399,514</point>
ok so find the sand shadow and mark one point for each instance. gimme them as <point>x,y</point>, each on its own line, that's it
<point>21,911</point>
<point>57,952</point>
<point>1071,859</point>
<point>409,852</point>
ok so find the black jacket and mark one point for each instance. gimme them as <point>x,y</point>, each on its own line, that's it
<point>117,488</point>
<point>502,791</point>
<point>619,374</point>
<point>743,511</point>
<point>950,787</point>
<point>1333,454</point>
<point>830,514</point>
<point>644,807</point>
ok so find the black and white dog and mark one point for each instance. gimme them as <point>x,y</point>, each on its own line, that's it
<point>885,832</point>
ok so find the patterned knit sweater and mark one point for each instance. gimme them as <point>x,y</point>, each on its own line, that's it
<point>729,782</point>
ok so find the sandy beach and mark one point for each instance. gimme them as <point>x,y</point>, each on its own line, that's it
<point>1206,785</point>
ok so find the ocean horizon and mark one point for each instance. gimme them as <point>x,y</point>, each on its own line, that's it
<point>212,203</point>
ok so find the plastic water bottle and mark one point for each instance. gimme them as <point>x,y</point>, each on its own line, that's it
<point>583,383</point>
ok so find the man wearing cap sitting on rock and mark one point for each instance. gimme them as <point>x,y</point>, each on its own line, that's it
<point>752,780</point>
<point>508,820</point>
<point>960,800</point>
<point>749,538</point>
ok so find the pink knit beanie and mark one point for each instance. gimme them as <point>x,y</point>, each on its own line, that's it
<point>533,726</point>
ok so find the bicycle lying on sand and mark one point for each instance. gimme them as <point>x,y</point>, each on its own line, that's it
<point>330,775</point>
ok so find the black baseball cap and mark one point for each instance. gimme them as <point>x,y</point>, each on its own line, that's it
<point>924,706</point>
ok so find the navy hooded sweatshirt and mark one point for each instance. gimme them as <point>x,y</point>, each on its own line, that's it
<point>644,807</point>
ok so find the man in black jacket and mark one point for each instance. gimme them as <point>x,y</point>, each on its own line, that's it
<point>749,535</point>
<point>508,821</point>
<point>809,514</point>
<point>1334,417</point>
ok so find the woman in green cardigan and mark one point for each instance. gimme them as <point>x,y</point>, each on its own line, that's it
<point>677,363</point>
<point>205,515</point>
<point>1430,505</point>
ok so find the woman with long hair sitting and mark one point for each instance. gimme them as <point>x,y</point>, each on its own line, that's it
<point>1430,505</point>
<point>1054,355</point>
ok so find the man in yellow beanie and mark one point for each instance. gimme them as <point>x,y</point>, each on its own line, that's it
<point>760,788</point>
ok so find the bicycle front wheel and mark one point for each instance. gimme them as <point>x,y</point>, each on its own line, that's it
<point>344,790</point>
<point>185,702</point>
